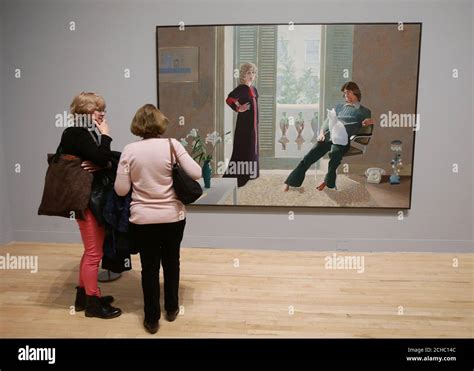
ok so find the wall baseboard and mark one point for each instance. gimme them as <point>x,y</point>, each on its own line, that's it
<point>278,243</point>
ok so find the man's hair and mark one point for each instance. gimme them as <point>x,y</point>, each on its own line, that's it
<point>353,87</point>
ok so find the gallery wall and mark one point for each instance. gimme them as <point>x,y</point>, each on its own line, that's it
<point>111,37</point>
<point>5,223</point>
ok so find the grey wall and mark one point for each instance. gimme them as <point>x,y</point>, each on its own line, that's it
<point>57,63</point>
<point>6,234</point>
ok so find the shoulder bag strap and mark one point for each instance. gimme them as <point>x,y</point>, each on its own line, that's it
<point>172,153</point>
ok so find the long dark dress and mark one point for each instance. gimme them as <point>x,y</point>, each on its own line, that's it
<point>244,163</point>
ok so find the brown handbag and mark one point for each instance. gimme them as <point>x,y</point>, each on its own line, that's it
<point>67,187</point>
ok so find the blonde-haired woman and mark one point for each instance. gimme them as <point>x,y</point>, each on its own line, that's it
<point>157,217</point>
<point>90,139</point>
<point>244,162</point>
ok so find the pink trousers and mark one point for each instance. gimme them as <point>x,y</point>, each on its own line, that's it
<point>92,235</point>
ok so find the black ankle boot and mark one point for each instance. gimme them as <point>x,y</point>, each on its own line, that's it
<point>80,303</point>
<point>96,308</point>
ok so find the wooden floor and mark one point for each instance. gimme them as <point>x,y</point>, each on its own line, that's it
<point>269,294</point>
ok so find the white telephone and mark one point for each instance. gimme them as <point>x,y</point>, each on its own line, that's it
<point>374,174</point>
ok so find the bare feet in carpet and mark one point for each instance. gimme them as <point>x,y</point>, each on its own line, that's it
<point>324,186</point>
<point>286,188</point>
<point>321,186</point>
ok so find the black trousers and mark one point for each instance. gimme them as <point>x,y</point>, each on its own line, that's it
<point>158,243</point>
<point>336,152</point>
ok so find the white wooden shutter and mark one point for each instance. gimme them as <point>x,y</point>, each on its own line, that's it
<point>258,44</point>
<point>338,57</point>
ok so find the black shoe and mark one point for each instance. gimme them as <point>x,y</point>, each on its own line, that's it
<point>171,316</point>
<point>80,303</point>
<point>96,308</point>
<point>151,327</point>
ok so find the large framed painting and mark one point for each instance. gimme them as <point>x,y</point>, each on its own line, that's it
<point>295,115</point>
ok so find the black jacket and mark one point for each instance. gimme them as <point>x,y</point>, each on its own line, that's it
<point>117,249</point>
<point>81,142</point>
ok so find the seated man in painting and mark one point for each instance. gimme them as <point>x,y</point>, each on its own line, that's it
<point>353,115</point>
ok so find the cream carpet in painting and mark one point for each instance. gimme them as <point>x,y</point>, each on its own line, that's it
<point>267,191</point>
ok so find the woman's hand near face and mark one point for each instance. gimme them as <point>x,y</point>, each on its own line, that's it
<point>101,122</point>
<point>103,126</point>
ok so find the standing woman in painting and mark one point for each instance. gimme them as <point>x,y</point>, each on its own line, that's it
<point>244,164</point>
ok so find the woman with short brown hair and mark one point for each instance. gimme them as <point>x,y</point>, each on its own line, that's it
<point>149,122</point>
<point>157,217</point>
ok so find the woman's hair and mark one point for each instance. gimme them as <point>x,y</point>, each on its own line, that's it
<point>244,68</point>
<point>149,121</point>
<point>353,87</point>
<point>87,103</point>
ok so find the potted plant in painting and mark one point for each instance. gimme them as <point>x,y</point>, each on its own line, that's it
<point>200,154</point>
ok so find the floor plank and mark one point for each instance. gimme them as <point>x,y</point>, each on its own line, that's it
<point>270,294</point>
